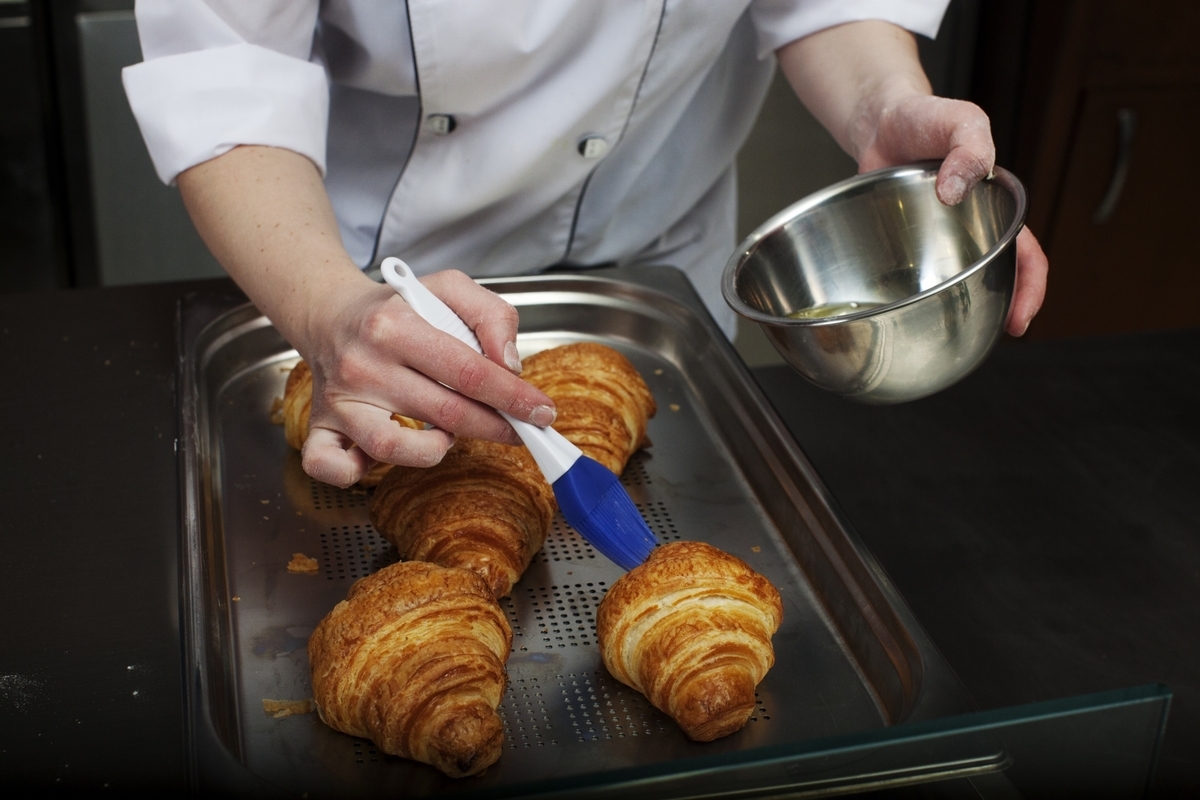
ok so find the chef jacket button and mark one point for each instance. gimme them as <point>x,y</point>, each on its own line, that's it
<point>593,147</point>
<point>440,124</point>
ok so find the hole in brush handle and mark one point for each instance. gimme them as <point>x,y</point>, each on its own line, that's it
<point>429,306</point>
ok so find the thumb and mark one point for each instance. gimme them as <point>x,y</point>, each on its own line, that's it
<point>970,155</point>
<point>960,171</point>
<point>923,127</point>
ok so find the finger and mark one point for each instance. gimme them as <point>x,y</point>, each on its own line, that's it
<point>1033,270</point>
<point>971,158</point>
<point>383,439</point>
<point>394,328</point>
<point>925,127</point>
<point>331,457</point>
<point>448,361</point>
<point>395,388</point>
<point>490,316</point>
<point>451,411</point>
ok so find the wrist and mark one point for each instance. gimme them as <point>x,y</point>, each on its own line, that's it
<point>879,100</point>
<point>321,301</point>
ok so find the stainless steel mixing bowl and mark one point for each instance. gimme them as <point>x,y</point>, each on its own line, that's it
<point>875,290</point>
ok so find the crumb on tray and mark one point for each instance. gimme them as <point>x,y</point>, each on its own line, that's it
<point>287,708</point>
<point>302,563</point>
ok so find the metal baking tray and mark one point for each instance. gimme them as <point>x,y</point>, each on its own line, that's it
<point>850,658</point>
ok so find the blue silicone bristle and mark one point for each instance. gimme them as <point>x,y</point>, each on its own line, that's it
<point>594,502</point>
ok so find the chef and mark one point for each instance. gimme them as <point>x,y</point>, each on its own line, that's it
<point>310,140</point>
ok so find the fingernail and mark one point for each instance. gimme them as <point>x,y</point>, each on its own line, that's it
<point>512,359</point>
<point>543,416</point>
<point>954,189</point>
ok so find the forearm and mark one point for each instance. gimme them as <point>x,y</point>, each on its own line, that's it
<point>850,75</point>
<point>264,214</point>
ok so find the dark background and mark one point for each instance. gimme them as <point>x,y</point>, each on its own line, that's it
<point>80,205</point>
<point>1069,523</point>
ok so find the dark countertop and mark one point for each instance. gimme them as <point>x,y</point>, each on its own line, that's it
<point>1042,519</point>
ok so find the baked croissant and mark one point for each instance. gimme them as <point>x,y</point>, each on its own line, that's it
<point>485,507</point>
<point>603,403</point>
<point>297,404</point>
<point>413,659</point>
<point>691,630</point>
<point>296,407</point>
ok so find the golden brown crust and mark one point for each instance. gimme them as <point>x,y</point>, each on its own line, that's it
<point>691,630</point>
<point>485,507</point>
<point>603,403</point>
<point>297,404</point>
<point>413,659</point>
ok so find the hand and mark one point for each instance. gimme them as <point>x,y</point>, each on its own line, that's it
<point>264,213</point>
<point>372,355</point>
<point>925,127</point>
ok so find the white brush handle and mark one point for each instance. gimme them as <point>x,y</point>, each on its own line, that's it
<point>553,453</point>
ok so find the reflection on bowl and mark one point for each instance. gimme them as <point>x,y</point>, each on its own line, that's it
<point>875,290</point>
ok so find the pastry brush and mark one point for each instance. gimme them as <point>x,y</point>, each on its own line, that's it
<point>590,496</point>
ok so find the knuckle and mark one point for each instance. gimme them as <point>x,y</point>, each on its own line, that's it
<point>458,279</point>
<point>351,369</point>
<point>975,114</point>
<point>416,449</point>
<point>517,402</point>
<point>452,414</point>
<point>379,326</point>
<point>504,433</point>
<point>471,376</point>
<point>971,163</point>
<point>506,313</point>
<point>975,162</point>
<point>379,442</point>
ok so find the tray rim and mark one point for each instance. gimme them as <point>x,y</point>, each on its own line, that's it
<point>201,313</point>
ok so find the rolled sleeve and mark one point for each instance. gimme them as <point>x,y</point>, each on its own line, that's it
<point>221,73</point>
<point>780,22</point>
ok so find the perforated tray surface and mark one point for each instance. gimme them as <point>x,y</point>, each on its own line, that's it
<point>848,656</point>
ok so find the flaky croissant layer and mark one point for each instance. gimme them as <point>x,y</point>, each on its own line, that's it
<point>486,507</point>
<point>691,630</point>
<point>413,659</point>
<point>603,403</point>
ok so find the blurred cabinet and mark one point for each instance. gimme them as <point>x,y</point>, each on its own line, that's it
<point>1122,252</point>
<point>142,231</point>
<point>30,236</point>
<point>1097,105</point>
<point>80,204</point>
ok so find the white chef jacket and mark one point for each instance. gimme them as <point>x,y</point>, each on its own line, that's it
<point>498,137</point>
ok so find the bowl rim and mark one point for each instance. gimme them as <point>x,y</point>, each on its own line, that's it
<point>734,265</point>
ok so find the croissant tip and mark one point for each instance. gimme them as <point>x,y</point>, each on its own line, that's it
<point>720,727</point>
<point>470,743</point>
